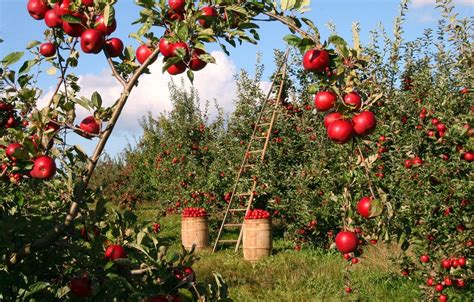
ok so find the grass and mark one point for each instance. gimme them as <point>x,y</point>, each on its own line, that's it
<point>307,275</point>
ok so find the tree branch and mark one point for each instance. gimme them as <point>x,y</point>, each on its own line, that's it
<point>59,229</point>
<point>114,70</point>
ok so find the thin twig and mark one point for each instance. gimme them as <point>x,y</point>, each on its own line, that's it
<point>62,79</point>
<point>114,70</point>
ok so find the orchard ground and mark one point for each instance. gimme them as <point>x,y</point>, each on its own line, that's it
<point>311,274</point>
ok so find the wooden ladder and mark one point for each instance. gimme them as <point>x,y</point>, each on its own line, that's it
<point>256,150</point>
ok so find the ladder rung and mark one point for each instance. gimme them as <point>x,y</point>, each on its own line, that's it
<point>264,124</point>
<point>255,151</point>
<point>232,224</point>
<point>260,137</point>
<point>237,210</point>
<point>249,166</point>
<point>245,194</point>
<point>227,241</point>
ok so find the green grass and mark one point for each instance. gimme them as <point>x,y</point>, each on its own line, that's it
<point>288,275</point>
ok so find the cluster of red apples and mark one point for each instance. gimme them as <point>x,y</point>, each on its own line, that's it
<point>43,166</point>
<point>194,212</point>
<point>257,214</point>
<point>441,281</point>
<point>83,23</point>
<point>94,31</point>
<point>340,128</point>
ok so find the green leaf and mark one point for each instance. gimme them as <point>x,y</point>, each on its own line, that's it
<point>292,40</point>
<point>190,75</point>
<point>312,89</point>
<point>336,40</point>
<point>36,287</point>
<point>71,19</point>
<point>32,44</point>
<point>96,100</point>
<point>26,67</point>
<point>109,14</point>
<point>12,58</point>
<point>83,102</point>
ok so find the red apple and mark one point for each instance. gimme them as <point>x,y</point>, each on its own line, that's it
<point>142,53</point>
<point>75,29</point>
<point>417,161</point>
<point>16,151</point>
<point>424,258</point>
<point>442,298</point>
<point>331,117</point>
<point>81,287</point>
<point>92,41</point>
<point>446,263</point>
<point>88,2</point>
<point>363,207</point>
<point>353,99</point>
<point>115,252</point>
<point>53,19</point>
<point>177,5</point>
<point>5,107</point>
<point>62,7</point>
<point>196,63</point>
<point>468,156</point>
<point>364,123</point>
<point>90,125</point>
<point>324,100</point>
<point>316,60</point>
<point>177,68</point>
<point>105,29</point>
<point>47,49</point>
<point>340,131</point>
<point>207,11</point>
<point>462,261</point>
<point>44,168</point>
<point>408,163</point>
<point>439,287</point>
<point>173,16</point>
<point>346,242</point>
<point>179,45</point>
<point>37,9</point>
<point>430,281</point>
<point>165,47</point>
<point>114,47</point>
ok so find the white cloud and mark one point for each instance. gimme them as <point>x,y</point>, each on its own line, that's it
<point>419,3</point>
<point>213,82</point>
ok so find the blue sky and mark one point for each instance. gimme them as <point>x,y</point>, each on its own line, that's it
<point>17,28</point>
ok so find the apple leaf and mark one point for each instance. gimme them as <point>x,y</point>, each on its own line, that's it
<point>12,58</point>
<point>36,287</point>
<point>190,75</point>
<point>32,44</point>
<point>237,9</point>
<point>83,102</point>
<point>337,41</point>
<point>71,19</point>
<point>376,208</point>
<point>312,89</point>
<point>109,14</point>
<point>27,65</point>
<point>96,100</point>
<point>292,40</point>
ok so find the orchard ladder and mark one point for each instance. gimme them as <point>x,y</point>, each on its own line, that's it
<point>244,186</point>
